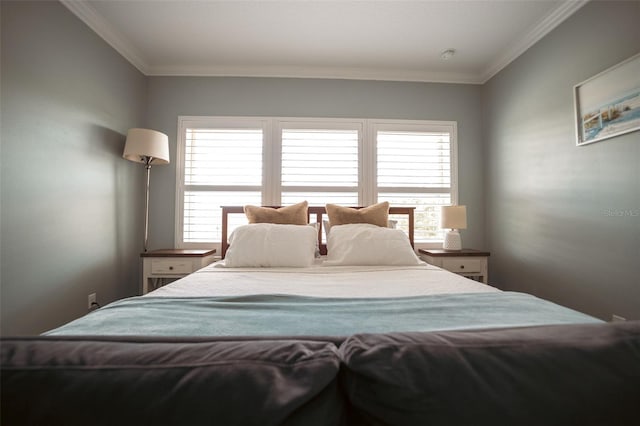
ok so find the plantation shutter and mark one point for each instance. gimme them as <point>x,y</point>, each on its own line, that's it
<point>320,166</point>
<point>414,169</point>
<point>221,167</point>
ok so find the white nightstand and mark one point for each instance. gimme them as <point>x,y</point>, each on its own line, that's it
<point>467,262</point>
<point>172,264</point>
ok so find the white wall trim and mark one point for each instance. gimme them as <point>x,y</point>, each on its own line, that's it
<point>317,72</point>
<point>544,27</point>
<point>88,15</point>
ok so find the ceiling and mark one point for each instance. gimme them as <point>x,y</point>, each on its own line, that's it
<point>351,39</point>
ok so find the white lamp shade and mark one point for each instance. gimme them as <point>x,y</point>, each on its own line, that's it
<point>142,143</point>
<point>454,217</point>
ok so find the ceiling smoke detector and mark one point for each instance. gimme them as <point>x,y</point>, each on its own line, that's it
<point>447,54</point>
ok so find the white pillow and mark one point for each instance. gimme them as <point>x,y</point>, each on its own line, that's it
<point>393,224</point>
<point>270,245</point>
<point>315,226</point>
<point>365,244</point>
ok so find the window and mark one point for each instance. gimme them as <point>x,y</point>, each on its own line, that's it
<point>222,164</point>
<point>320,162</point>
<point>414,168</point>
<point>273,161</point>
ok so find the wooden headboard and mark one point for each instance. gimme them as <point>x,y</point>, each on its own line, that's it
<point>314,212</point>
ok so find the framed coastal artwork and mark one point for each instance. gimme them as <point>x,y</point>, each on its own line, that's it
<point>608,104</point>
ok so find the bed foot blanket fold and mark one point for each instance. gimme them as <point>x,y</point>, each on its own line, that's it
<point>287,315</point>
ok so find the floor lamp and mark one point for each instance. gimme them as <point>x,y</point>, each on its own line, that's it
<point>147,147</point>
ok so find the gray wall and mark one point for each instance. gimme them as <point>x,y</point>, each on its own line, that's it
<point>71,206</point>
<point>552,208</point>
<point>170,97</point>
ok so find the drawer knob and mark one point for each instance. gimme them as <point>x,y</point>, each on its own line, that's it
<point>461,266</point>
<point>171,268</point>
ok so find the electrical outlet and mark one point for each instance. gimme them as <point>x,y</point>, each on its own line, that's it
<point>91,299</point>
<point>616,318</point>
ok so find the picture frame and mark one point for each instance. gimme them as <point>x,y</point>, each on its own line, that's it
<point>608,104</point>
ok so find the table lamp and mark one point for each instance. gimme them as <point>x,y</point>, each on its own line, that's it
<point>453,218</point>
<point>147,147</point>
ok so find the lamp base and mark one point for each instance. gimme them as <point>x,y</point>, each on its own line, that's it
<point>452,240</point>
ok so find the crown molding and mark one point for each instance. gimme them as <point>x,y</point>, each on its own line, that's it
<point>544,27</point>
<point>87,14</point>
<point>338,73</point>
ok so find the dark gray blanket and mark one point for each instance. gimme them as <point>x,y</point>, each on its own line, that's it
<point>88,382</point>
<point>553,375</point>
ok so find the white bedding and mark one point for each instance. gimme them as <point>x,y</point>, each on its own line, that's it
<point>321,281</point>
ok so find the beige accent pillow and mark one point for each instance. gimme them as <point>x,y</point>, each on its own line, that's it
<point>377,214</point>
<point>291,215</point>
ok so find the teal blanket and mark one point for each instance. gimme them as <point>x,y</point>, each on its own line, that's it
<point>284,315</point>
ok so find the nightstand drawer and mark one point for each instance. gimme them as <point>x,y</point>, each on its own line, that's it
<point>171,266</point>
<point>160,266</point>
<point>465,262</point>
<point>463,265</point>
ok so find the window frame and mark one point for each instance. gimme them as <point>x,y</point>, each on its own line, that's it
<point>272,127</point>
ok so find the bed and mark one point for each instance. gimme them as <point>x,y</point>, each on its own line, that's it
<point>273,334</point>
